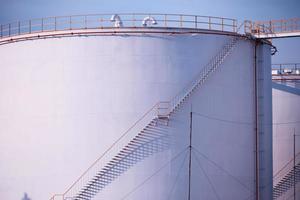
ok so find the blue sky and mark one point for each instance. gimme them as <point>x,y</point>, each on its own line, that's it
<point>13,10</point>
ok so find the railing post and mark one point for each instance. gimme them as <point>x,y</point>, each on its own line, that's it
<point>222,24</point>
<point>165,21</point>
<point>133,20</point>
<point>29,26</point>
<point>209,23</point>
<point>245,26</point>
<point>19,27</point>
<point>181,21</point>
<point>285,26</point>
<point>280,69</point>
<point>85,22</point>
<point>70,21</point>
<point>196,21</point>
<point>42,24</point>
<point>101,22</point>
<point>9,29</point>
<point>1,27</point>
<point>55,23</point>
<point>233,25</point>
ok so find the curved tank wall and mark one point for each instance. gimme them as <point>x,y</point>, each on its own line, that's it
<point>64,101</point>
<point>286,115</point>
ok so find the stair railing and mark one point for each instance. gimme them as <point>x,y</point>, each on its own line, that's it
<point>284,178</point>
<point>289,166</point>
<point>202,75</point>
<point>113,150</point>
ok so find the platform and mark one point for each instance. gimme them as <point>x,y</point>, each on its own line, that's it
<point>273,29</point>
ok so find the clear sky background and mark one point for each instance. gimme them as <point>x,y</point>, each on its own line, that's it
<point>289,49</point>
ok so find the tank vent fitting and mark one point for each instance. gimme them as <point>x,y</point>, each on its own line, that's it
<point>148,20</point>
<point>117,20</point>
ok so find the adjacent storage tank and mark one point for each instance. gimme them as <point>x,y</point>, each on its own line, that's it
<point>286,127</point>
<point>168,108</point>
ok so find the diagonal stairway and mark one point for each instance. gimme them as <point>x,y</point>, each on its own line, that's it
<point>150,140</point>
<point>145,138</point>
<point>287,182</point>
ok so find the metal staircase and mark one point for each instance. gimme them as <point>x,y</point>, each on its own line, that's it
<point>145,138</point>
<point>287,182</point>
<point>152,139</point>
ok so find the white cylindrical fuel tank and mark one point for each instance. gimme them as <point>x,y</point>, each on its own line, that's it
<point>66,100</point>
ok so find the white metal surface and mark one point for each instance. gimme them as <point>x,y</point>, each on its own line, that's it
<point>286,115</point>
<point>64,101</point>
<point>286,149</point>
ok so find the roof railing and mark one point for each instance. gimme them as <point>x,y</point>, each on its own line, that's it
<point>286,69</point>
<point>272,27</point>
<point>125,20</point>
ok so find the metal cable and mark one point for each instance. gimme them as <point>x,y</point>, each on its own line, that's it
<point>208,179</point>
<point>241,122</point>
<point>222,169</point>
<point>155,173</point>
<point>177,177</point>
<point>223,120</point>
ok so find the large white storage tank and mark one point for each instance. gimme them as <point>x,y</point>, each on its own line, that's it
<point>72,94</point>
<point>286,129</point>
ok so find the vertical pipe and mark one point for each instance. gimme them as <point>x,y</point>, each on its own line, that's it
<point>190,153</point>
<point>256,126</point>
<point>294,165</point>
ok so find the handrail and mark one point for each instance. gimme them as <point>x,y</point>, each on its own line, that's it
<point>286,65</point>
<point>96,21</point>
<point>286,168</point>
<point>286,69</point>
<point>147,117</point>
<point>282,183</point>
<point>273,26</point>
<point>175,100</point>
<point>122,136</point>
